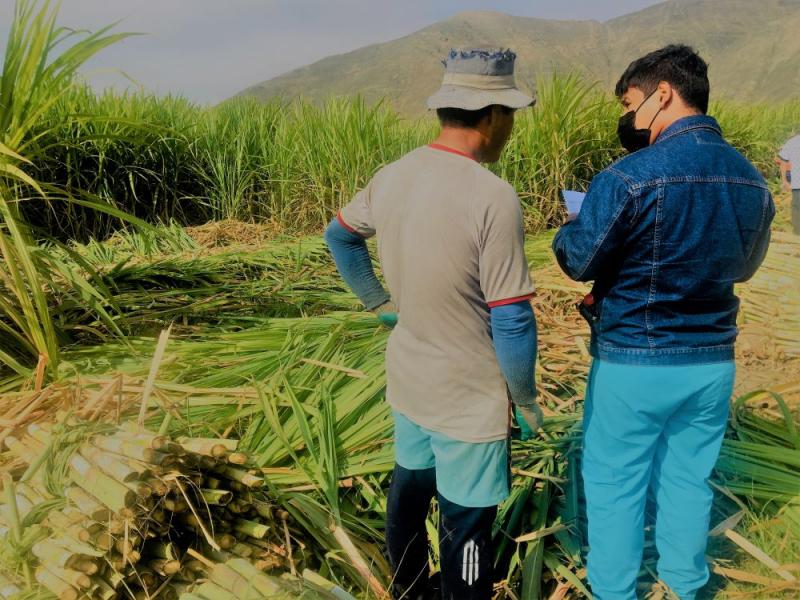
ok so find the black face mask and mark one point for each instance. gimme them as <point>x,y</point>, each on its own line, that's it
<point>633,139</point>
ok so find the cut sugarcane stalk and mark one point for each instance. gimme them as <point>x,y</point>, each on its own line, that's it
<point>164,567</point>
<point>266,585</point>
<point>216,497</point>
<point>74,578</point>
<point>212,591</point>
<point>120,562</point>
<point>196,566</point>
<point>21,505</point>
<point>238,585</point>
<point>225,541</point>
<point>115,526</point>
<point>265,510</point>
<point>84,566</point>
<point>87,504</point>
<point>251,528</point>
<point>328,586</point>
<point>77,517</point>
<point>110,464</point>
<point>126,547</point>
<point>176,505</point>
<point>209,446</point>
<point>39,434</point>
<point>240,476</point>
<point>114,578</point>
<point>207,463</point>
<point>131,450</point>
<point>140,488</point>
<point>237,458</point>
<point>61,589</point>
<point>104,591</point>
<point>144,577</point>
<point>130,432</point>
<point>165,550</point>
<point>103,541</point>
<point>33,494</point>
<point>107,490</point>
<point>52,552</point>
<point>19,450</point>
<point>159,487</point>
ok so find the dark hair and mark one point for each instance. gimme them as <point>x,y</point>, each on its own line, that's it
<point>678,65</point>
<point>458,117</point>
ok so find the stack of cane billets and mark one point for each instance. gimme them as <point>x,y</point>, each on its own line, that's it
<point>239,579</point>
<point>137,503</point>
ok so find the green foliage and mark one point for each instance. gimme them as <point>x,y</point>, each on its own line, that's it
<point>295,164</point>
<point>560,144</point>
<point>40,62</point>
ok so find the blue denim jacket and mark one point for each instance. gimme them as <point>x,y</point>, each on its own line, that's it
<point>665,233</point>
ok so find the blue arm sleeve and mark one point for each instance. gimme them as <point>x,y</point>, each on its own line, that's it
<point>352,258</point>
<point>514,335</point>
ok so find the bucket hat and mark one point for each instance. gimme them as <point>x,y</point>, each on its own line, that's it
<point>475,78</point>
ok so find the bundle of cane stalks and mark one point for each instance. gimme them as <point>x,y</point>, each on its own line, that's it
<point>145,516</point>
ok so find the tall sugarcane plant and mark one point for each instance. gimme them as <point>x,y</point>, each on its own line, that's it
<point>40,64</point>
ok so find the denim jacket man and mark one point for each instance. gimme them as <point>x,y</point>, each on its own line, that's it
<point>664,233</point>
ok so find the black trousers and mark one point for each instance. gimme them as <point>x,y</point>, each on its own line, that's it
<point>465,541</point>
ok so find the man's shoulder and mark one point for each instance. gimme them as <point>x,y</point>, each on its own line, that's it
<point>402,163</point>
<point>670,161</point>
<point>624,172</point>
<point>470,173</point>
<point>494,195</point>
<point>493,184</point>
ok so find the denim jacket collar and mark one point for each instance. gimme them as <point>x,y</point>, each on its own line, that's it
<point>689,124</point>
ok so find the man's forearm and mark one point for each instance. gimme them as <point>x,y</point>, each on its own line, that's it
<point>514,336</point>
<point>564,250</point>
<point>352,259</point>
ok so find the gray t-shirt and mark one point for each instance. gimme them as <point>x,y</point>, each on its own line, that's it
<point>451,245</point>
<point>791,152</point>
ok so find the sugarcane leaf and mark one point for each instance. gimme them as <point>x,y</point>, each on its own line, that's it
<point>532,571</point>
<point>9,152</point>
<point>21,175</point>
<point>556,566</point>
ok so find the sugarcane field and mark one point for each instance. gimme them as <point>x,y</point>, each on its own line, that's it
<point>197,295</point>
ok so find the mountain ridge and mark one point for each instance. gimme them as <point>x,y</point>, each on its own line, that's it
<point>752,55</point>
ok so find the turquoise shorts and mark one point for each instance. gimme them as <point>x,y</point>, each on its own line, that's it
<point>470,474</point>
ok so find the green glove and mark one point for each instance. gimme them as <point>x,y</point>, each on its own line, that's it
<point>387,314</point>
<point>529,419</point>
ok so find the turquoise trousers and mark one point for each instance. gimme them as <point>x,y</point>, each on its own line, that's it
<point>659,428</point>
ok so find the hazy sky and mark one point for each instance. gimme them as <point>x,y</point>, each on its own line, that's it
<point>207,50</point>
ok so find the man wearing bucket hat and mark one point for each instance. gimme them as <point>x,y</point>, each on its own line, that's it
<point>450,243</point>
